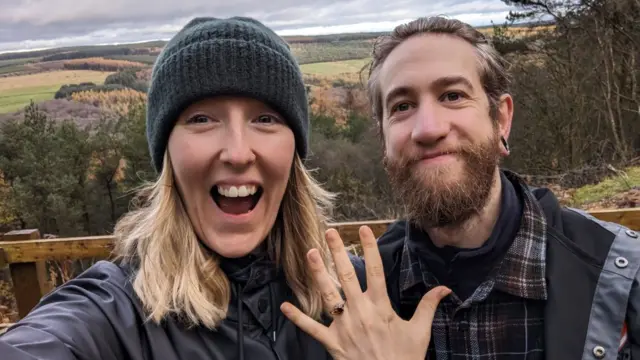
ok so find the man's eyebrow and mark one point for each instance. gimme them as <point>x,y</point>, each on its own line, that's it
<point>447,81</point>
<point>397,92</point>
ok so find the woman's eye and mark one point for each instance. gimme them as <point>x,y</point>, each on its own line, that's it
<point>266,119</point>
<point>198,119</point>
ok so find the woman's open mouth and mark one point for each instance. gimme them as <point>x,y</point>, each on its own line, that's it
<point>236,200</point>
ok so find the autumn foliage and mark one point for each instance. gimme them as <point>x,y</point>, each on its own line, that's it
<point>101,64</point>
<point>337,102</point>
<point>6,216</point>
<point>118,101</point>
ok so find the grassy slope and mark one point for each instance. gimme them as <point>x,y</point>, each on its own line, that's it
<point>334,68</point>
<point>607,188</point>
<point>17,91</point>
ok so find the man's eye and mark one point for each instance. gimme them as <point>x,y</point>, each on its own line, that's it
<point>401,107</point>
<point>453,96</point>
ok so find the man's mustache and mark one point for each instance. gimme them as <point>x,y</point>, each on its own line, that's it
<point>420,155</point>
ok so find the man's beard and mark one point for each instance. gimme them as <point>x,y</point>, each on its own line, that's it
<point>432,199</point>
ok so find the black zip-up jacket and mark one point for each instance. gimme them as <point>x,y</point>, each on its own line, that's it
<point>97,316</point>
<point>593,283</point>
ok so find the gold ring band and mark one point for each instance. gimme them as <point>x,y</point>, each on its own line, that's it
<point>338,309</point>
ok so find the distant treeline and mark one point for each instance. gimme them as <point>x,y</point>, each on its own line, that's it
<point>49,52</point>
<point>67,90</point>
<point>127,78</point>
<point>332,38</point>
<point>101,64</point>
<point>97,53</point>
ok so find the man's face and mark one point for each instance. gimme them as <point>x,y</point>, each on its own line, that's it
<point>442,148</point>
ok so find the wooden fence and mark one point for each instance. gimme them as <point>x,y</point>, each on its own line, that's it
<point>25,253</point>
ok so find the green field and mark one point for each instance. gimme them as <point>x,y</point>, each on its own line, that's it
<point>17,91</point>
<point>13,100</point>
<point>335,67</point>
<point>21,61</point>
<point>16,65</point>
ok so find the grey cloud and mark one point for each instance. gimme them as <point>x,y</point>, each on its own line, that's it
<point>33,23</point>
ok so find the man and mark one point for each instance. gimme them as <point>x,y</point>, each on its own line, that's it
<point>530,279</point>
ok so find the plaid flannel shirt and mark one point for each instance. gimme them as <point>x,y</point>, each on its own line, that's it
<point>504,318</point>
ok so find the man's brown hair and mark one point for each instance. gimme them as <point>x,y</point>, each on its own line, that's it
<point>491,65</point>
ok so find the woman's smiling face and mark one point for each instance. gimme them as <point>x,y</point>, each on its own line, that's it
<point>232,157</point>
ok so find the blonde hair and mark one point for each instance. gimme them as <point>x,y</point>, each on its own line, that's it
<point>176,274</point>
<point>492,66</point>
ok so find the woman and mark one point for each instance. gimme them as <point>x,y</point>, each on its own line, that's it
<point>218,246</point>
<point>220,238</point>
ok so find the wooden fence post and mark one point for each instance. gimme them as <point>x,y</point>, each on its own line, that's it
<point>30,279</point>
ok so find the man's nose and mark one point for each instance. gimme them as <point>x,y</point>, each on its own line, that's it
<point>429,127</point>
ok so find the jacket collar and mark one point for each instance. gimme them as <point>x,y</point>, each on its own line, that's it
<point>252,271</point>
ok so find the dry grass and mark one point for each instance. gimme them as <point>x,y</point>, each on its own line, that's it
<point>335,68</point>
<point>8,312</point>
<point>520,30</point>
<point>17,91</point>
<point>118,101</point>
<point>57,78</point>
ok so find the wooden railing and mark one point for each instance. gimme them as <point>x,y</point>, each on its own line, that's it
<point>25,253</point>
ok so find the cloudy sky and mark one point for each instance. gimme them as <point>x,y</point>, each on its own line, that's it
<point>35,24</point>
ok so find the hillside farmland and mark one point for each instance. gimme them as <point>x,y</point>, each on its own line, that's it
<point>18,91</point>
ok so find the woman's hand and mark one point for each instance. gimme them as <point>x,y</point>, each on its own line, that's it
<point>365,326</point>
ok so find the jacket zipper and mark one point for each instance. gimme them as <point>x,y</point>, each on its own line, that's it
<point>274,321</point>
<point>240,324</point>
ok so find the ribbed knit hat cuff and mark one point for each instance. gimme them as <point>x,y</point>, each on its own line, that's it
<point>224,67</point>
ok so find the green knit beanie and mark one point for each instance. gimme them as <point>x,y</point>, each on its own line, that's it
<point>237,56</point>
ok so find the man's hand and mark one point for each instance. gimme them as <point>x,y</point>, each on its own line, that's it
<point>365,327</point>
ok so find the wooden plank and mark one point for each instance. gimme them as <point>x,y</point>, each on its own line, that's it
<point>3,259</point>
<point>629,217</point>
<point>25,286</point>
<point>57,249</point>
<point>30,279</point>
<point>24,234</point>
<point>349,230</point>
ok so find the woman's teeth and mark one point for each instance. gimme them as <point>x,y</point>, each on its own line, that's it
<point>237,191</point>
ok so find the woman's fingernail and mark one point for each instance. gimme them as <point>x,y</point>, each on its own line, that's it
<point>314,257</point>
<point>285,308</point>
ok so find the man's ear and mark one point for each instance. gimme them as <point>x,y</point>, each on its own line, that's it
<point>504,117</point>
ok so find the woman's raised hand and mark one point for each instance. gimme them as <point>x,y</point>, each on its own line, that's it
<point>365,326</point>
